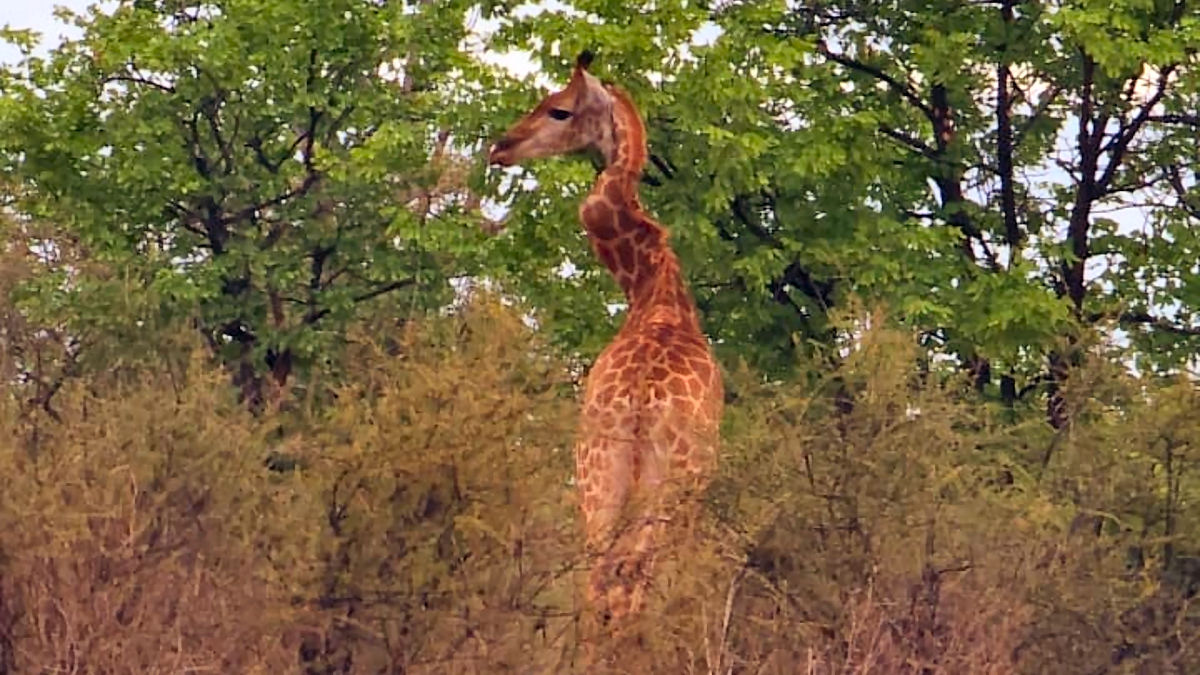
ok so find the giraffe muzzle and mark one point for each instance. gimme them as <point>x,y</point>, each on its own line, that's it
<point>499,153</point>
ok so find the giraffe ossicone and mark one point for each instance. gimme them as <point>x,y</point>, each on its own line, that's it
<point>648,437</point>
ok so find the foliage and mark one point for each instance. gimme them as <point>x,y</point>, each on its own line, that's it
<point>902,527</point>
<point>959,161</point>
<point>446,515</point>
<point>421,519</point>
<point>993,173</point>
<point>268,182</point>
<point>131,529</point>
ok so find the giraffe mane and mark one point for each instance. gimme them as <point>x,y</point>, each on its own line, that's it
<point>631,146</point>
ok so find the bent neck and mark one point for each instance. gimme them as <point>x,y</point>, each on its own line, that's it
<point>626,152</point>
<point>632,245</point>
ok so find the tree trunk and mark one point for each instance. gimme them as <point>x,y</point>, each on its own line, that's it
<point>261,391</point>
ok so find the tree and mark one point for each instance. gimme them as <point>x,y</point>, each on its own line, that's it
<point>265,169</point>
<point>959,161</point>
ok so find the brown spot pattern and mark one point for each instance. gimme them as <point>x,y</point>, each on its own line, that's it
<point>625,254</point>
<point>656,389</point>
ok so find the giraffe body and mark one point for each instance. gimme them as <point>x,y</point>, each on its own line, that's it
<point>648,436</point>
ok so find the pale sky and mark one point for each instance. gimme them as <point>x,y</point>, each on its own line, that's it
<point>39,16</point>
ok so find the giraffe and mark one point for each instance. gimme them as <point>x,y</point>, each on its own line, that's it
<point>648,435</point>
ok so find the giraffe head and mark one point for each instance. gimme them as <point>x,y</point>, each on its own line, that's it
<point>576,118</point>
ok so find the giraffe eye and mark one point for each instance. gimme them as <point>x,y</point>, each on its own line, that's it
<point>559,113</point>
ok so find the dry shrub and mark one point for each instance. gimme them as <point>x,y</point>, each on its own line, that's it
<point>448,535</point>
<point>886,522</point>
<point>126,534</point>
<point>422,522</point>
<point>1119,595</point>
<point>858,528</point>
<point>418,517</point>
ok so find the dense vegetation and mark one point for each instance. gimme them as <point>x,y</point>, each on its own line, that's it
<point>280,394</point>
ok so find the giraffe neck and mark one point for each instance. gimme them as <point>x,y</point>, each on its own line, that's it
<point>631,244</point>
<point>627,154</point>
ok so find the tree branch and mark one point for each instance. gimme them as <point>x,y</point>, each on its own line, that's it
<point>1176,118</point>
<point>1047,100</point>
<point>1004,144</point>
<point>737,206</point>
<point>210,108</point>
<point>1087,140</point>
<point>309,181</point>
<point>1176,182</point>
<point>910,142</point>
<point>316,271</point>
<point>134,79</point>
<point>199,158</point>
<point>1155,322</point>
<point>1119,144</point>
<point>663,165</point>
<point>260,155</point>
<point>313,317</point>
<point>895,85</point>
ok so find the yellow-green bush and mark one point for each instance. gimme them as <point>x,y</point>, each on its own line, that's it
<point>417,516</point>
<point>129,533</point>
<point>445,533</point>
<point>423,519</point>
<point>887,522</point>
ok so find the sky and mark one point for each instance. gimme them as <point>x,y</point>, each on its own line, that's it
<point>39,16</point>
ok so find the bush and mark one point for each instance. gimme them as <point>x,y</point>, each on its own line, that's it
<point>417,515</point>
<point>423,519</point>
<point>439,481</point>
<point>130,533</point>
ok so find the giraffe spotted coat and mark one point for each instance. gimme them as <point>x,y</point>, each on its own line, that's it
<point>648,436</point>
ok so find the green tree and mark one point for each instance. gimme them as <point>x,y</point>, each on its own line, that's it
<point>959,161</point>
<point>263,168</point>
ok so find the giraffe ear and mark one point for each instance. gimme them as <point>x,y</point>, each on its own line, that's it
<point>586,88</point>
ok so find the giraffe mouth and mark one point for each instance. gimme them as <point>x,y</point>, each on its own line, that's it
<point>500,154</point>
